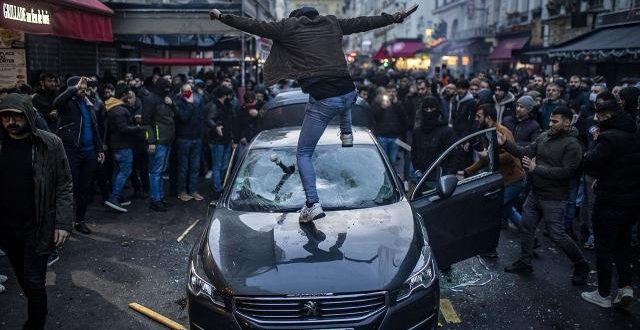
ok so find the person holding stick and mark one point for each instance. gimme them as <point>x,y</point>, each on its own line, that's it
<point>307,47</point>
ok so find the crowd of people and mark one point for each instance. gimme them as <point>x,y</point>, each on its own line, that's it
<point>569,149</point>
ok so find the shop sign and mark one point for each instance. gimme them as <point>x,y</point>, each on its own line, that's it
<point>25,14</point>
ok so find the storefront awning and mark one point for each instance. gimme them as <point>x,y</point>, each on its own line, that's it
<point>398,48</point>
<point>616,41</point>
<point>503,51</point>
<point>78,19</point>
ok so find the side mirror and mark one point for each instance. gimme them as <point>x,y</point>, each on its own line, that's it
<point>446,186</point>
<point>210,208</point>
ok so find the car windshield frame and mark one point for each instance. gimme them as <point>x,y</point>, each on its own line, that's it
<point>394,196</point>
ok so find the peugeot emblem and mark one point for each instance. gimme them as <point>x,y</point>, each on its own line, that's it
<point>310,308</point>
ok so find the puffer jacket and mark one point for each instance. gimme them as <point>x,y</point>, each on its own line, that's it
<point>306,48</point>
<point>52,181</point>
<point>614,160</point>
<point>558,159</point>
<point>120,127</point>
<point>158,119</point>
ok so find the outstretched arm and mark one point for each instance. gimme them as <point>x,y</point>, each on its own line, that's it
<point>270,30</point>
<point>366,23</point>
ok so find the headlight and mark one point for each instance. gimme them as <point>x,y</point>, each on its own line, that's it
<point>423,276</point>
<point>200,287</point>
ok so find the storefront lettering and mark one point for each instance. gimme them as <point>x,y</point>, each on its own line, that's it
<point>7,58</point>
<point>22,14</point>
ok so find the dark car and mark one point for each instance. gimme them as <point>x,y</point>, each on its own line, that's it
<point>371,263</point>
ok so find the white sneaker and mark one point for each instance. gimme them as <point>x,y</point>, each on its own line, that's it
<point>3,279</point>
<point>308,214</point>
<point>2,289</point>
<point>594,297</point>
<point>623,298</point>
<point>347,140</point>
<point>208,175</point>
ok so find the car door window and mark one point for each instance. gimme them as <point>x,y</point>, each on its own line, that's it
<point>470,158</point>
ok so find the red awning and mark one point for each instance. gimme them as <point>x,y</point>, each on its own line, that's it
<point>502,52</point>
<point>177,61</point>
<point>78,19</point>
<point>398,48</point>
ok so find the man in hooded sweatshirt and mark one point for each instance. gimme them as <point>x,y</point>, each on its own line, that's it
<point>36,200</point>
<point>552,159</point>
<point>504,100</point>
<point>158,112</point>
<point>308,47</point>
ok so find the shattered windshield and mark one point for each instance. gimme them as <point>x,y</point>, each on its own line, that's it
<point>347,178</point>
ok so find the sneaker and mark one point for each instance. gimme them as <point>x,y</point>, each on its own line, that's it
<point>2,288</point>
<point>580,273</point>
<point>347,140</point>
<point>116,206</point>
<point>595,298</point>
<point>158,206</point>
<point>53,258</point>
<point>197,196</point>
<point>208,175</point>
<point>3,279</point>
<point>589,244</point>
<point>308,214</point>
<point>82,227</point>
<point>519,267</point>
<point>184,197</point>
<point>623,298</point>
<point>124,202</point>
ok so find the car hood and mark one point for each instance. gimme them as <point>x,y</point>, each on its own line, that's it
<point>248,253</point>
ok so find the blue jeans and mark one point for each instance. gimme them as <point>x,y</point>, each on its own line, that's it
<point>188,164</point>
<point>390,148</point>
<point>317,116</point>
<point>572,209</point>
<point>158,163</point>
<point>511,195</point>
<point>122,166</point>
<point>220,156</point>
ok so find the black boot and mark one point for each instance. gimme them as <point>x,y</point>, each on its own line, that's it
<point>158,207</point>
<point>519,267</point>
<point>82,227</point>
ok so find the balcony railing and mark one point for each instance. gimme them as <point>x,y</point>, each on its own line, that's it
<point>481,32</point>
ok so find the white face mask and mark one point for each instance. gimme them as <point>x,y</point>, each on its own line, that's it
<point>592,97</point>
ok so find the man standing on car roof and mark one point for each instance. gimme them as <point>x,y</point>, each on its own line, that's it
<point>308,47</point>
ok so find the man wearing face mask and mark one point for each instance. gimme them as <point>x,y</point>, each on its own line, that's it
<point>220,121</point>
<point>613,160</point>
<point>190,120</point>
<point>431,138</point>
<point>158,118</point>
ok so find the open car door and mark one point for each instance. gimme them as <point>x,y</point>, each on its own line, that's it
<point>462,214</point>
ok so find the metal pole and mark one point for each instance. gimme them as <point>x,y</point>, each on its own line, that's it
<point>242,66</point>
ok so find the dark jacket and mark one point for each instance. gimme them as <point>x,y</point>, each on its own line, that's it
<point>221,115</point>
<point>43,102</point>
<point>546,109</point>
<point>190,117</point>
<point>158,119</point>
<point>121,130</point>
<point>390,122</point>
<point>247,127</point>
<point>306,48</point>
<point>52,181</point>
<point>464,115</point>
<point>558,159</point>
<point>524,132</point>
<point>69,127</point>
<point>614,160</point>
<point>429,141</point>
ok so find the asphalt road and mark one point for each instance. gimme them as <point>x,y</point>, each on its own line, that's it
<point>135,257</point>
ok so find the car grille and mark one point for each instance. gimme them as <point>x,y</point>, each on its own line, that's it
<point>310,309</point>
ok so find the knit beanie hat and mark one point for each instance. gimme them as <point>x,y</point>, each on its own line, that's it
<point>527,102</point>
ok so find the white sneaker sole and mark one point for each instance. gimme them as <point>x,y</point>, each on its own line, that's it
<point>600,303</point>
<point>115,207</point>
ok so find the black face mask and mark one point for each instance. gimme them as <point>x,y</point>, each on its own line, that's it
<point>431,115</point>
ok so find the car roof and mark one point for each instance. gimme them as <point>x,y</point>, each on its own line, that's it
<point>295,96</point>
<point>288,137</point>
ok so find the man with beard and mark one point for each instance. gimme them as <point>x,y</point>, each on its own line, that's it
<point>524,127</point>
<point>464,108</point>
<point>158,114</point>
<point>549,104</point>
<point>503,100</point>
<point>45,93</point>
<point>510,167</point>
<point>552,159</point>
<point>613,161</point>
<point>447,97</point>
<point>577,98</point>
<point>431,138</point>
<point>36,200</point>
